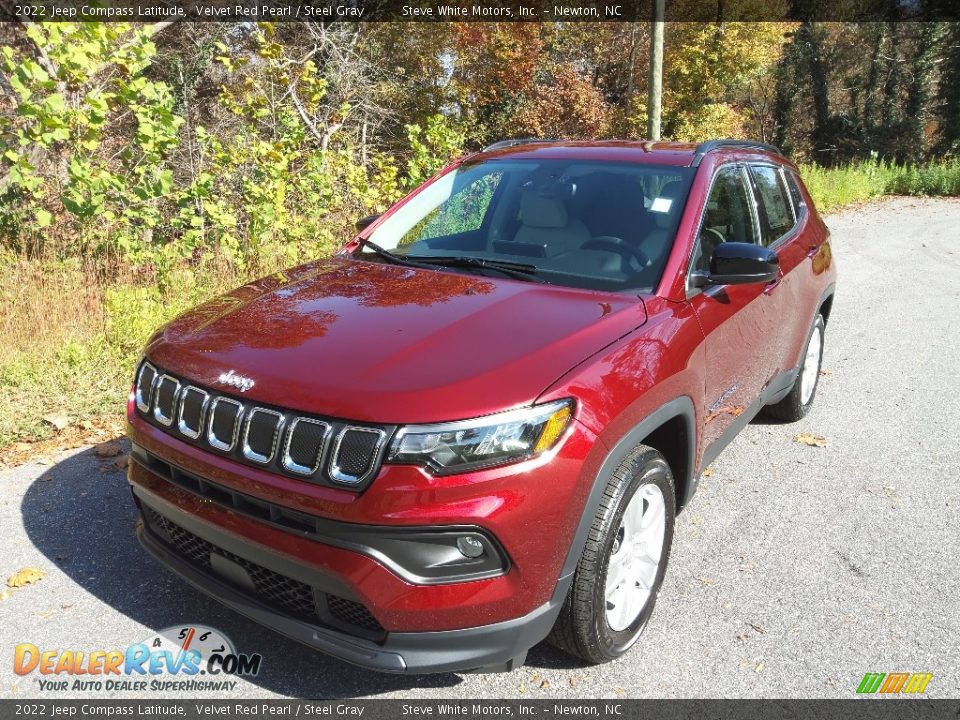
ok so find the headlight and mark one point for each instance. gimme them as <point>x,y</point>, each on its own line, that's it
<point>493,440</point>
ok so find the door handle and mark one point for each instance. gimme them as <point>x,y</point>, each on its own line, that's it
<point>772,285</point>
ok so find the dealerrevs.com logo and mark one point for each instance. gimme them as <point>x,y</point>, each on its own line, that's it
<point>189,658</point>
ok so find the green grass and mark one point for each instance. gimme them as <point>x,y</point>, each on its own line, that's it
<point>69,341</point>
<point>834,188</point>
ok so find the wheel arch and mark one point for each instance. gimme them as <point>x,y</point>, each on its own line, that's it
<point>825,306</point>
<point>670,429</point>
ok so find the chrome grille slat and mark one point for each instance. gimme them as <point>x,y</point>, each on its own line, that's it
<point>344,469</point>
<point>143,402</point>
<point>182,425</point>
<point>161,414</point>
<point>292,465</point>
<point>265,458</point>
<point>212,437</point>
<point>324,451</point>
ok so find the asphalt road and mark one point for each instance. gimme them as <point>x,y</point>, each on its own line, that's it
<point>795,570</point>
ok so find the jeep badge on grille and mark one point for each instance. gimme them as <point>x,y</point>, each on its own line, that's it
<point>238,381</point>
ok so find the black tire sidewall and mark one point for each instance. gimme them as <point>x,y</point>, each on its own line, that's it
<point>615,643</point>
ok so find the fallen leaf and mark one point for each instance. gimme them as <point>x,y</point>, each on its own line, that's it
<point>121,462</point>
<point>47,613</point>
<point>24,576</point>
<point>758,627</point>
<point>810,439</point>
<point>707,580</point>
<point>707,473</point>
<point>111,448</point>
<point>572,681</point>
<point>66,606</point>
<point>825,372</point>
<point>86,425</point>
<point>545,684</point>
<point>759,667</point>
<point>735,410</point>
<point>4,594</point>
<point>59,422</point>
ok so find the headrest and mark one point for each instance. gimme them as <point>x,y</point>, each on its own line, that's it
<point>672,190</point>
<point>542,211</point>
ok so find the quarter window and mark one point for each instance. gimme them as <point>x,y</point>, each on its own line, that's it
<point>775,210</point>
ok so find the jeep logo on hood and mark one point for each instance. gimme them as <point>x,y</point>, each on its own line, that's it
<point>238,381</point>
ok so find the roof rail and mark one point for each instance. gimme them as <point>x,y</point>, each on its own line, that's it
<point>711,145</point>
<point>501,144</point>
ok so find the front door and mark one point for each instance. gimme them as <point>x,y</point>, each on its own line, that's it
<point>740,322</point>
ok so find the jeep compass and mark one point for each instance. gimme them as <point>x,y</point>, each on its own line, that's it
<point>472,428</point>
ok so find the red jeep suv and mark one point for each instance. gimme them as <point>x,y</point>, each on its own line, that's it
<point>473,427</point>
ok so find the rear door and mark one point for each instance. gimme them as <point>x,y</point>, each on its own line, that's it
<point>780,221</point>
<point>740,322</point>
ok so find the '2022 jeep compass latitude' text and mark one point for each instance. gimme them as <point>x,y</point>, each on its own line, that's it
<point>472,428</point>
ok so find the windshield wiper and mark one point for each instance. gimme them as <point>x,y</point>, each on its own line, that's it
<point>519,271</point>
<point>392,257</point>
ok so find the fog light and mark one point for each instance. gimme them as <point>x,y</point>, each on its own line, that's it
<point>469,546</point>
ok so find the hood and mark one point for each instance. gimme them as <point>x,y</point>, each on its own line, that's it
<point>381,343</point>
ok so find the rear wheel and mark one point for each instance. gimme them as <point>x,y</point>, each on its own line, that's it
<point>623,563</point>
<point>798,402</point>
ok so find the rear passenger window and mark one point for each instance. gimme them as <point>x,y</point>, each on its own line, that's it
<point>775,209</point>
<point>793,184</point>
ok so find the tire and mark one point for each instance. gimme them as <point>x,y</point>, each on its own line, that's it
<point>799,400</point>
<point>599,627</point>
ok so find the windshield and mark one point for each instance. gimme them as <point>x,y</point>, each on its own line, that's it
<point>597,225</point>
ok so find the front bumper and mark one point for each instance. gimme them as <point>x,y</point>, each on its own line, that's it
<point>495,647</point>
<point>394,621</point>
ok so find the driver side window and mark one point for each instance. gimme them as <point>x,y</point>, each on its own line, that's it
<point>727,217</point>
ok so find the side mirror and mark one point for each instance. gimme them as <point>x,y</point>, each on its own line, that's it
<point>737,263</point>
<point>367,221</point>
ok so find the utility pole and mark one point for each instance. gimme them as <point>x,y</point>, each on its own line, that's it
<point>655,84</point>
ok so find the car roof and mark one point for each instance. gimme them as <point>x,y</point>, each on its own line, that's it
<point>659,152</point>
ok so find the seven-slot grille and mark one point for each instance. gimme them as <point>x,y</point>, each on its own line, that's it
<point>310,448</point>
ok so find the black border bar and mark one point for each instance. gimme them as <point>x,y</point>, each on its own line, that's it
<point>382,709</point>
<point>477,10</point>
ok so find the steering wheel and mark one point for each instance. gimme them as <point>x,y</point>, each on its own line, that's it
<point>619,246</point>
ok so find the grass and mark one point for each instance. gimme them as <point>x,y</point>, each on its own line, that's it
<point>71,330</point>
<point>69,337</point>
<point>834,188</point>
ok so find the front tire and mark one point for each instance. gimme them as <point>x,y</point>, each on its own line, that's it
<point>798,402</point>
<point>620,572</point>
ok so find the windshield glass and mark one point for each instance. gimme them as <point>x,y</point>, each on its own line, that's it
<point>598,225</point>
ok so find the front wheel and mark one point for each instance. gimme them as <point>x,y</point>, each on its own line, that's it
<point>798,402</point>
<point>623,563</point>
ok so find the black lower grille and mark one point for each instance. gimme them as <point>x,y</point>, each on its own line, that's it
<point>352,613</point>
<point>292,596</point>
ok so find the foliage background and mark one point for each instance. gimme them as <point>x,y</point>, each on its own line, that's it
<point>146,167</point>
